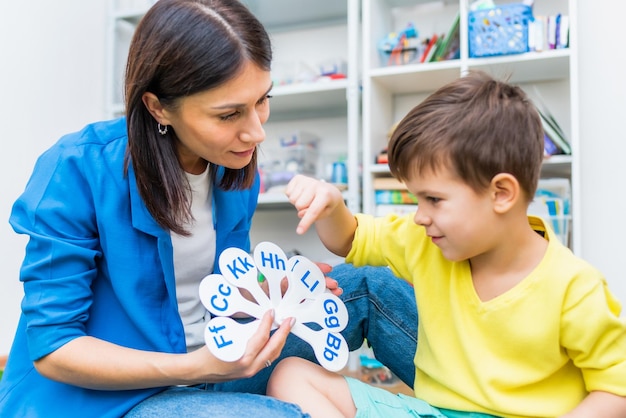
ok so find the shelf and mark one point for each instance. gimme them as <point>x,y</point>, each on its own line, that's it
<point>420,78</point>
<point>379,168</point>
<point>392,4</point>
<point>272,201</point>
<point>292,15</point>
<point>278,200</point>
<point>305,100</point>
<point>555,162</point>
<point>297,15</point>
<point>387,90</point>
<point>299,101</point>
<point>298,29</point>
<point>131,15</point>
<point>416,78</point>
<point>557,166</point>
<point>554,65</point>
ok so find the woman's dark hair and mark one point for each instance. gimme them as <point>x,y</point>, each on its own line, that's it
<point>183,47</point>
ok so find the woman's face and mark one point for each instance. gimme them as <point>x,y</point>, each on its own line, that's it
<point>222,125</point>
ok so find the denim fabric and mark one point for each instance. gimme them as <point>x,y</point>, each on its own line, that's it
<point>201,403</point>
<point>382,310</point>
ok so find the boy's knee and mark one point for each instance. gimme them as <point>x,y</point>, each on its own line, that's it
<point>282,375</point>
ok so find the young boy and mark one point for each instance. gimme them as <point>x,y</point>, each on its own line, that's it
<point>512,324</point>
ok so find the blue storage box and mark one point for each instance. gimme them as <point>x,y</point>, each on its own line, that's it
<point>501,30</point>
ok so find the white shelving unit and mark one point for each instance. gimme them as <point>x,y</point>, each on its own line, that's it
<point>304,34</point>
<point>389,92</point>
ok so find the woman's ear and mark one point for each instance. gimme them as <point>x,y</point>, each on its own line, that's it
<point>153,104</point>
<point>505,192</point>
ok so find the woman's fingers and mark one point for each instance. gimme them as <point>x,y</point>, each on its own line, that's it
<point>263,348</point>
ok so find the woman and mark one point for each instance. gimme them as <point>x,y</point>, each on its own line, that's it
<point>127,216</point>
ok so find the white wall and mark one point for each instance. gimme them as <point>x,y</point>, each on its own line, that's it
<point>51,82</point>
<point>603,137</point>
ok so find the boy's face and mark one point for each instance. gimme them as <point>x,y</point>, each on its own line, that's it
<point>455,216</point>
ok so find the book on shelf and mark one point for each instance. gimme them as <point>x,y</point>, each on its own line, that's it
<point>430,48</point>
<point>555,187</point>
<point>552,203</point>
<point>563,34</point>
<point>449,46</point>
<point>551,127</point>
<point>394,196</point>
<point>553,131</point>
<point>387,183</point>
<point>548,32</point>
<point>384,209</point>
<point>549,147</point>
<point>552,31</point>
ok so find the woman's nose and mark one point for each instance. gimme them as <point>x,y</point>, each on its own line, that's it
<point>253,131</point>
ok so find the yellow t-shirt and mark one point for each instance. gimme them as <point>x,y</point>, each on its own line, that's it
<point>534,351</point>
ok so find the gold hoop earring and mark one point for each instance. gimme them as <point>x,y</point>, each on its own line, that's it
<point>162,129</point>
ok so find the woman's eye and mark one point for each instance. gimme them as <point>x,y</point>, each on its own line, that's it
<point>230,116</point>
<point>264,99</point>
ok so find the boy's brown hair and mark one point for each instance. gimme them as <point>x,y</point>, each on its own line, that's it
<point>475,126</point>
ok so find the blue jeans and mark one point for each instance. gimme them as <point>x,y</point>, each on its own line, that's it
<point>382,310</point>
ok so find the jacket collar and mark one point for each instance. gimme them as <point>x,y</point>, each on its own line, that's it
<point>230,210</point>
<point>141,217</point>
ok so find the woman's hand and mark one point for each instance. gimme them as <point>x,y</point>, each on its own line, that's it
<point>261,350</point>
<point>97,364</point>
<point>331,284</point>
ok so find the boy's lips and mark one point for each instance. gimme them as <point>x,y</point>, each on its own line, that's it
<point>436,238</point>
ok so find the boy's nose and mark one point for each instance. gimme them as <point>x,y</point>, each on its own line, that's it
<point>421,218</point>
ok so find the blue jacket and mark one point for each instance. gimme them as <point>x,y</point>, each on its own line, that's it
<point>98,264</point>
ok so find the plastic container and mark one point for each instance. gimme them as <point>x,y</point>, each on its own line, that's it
<point>400,48</point>
<point>501,30</point>
<point>296,153</point>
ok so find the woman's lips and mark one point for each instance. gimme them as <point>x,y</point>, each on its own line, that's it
<point>246,153</point>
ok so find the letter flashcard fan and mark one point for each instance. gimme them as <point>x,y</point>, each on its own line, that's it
<point>305,299</point>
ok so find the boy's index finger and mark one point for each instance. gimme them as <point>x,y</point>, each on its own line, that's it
<point>310,214</point>
<point>307,219</point>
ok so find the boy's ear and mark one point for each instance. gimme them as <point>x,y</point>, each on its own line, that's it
<point>505,192</point>
<point>153,104</point>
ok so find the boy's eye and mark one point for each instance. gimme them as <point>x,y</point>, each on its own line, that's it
<point>433,199</point>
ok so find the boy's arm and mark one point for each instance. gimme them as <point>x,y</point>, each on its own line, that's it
<point>599,404</point>
<point>322,203</point>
